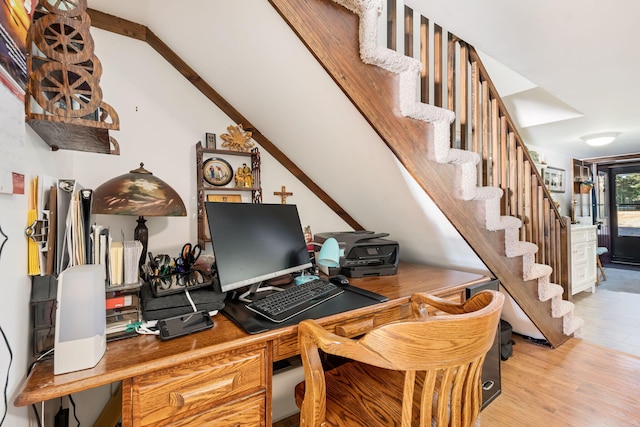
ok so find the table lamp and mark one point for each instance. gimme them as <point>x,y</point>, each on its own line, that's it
<point>329,255</point>
<point>139,193</point>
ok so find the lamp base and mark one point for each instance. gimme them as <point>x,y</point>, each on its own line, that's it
<point>141,233</point>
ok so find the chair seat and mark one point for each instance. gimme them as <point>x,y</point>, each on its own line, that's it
<point>360,394</point>
<point>601,250</point>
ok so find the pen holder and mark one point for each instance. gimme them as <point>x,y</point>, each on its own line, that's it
<point>173,283</point>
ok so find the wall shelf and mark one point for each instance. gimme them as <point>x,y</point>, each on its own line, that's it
<point>205,188</point>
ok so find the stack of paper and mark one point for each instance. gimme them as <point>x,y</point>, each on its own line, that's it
<point>124,258</point>
<point>132,253</point>
<point>116,260</point>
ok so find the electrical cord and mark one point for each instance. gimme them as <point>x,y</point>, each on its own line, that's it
<point>74,409</point>
<point>6,384</point>
<point>38,359</point>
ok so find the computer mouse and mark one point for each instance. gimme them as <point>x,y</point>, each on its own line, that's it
<point>339,279</point>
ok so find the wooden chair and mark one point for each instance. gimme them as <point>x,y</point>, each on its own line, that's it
<point>422,371</point>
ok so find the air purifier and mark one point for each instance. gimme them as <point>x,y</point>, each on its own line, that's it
<point>80,331</point>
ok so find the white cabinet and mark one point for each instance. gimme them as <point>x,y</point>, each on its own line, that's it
<point>583,258</point>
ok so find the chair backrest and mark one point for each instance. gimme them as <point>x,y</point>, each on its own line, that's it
<point>441,356</point>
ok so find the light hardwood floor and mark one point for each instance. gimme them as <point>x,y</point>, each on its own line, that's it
<point>612,319</point>
<point>579,384</point>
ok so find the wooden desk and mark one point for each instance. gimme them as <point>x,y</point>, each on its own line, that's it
<point>224,374</point>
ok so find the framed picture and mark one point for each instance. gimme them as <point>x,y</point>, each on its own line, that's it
<point>554,179</point>
<point>228,198</point>
<point>210,140</point>
<point>534,156</point>
<point>217,171</point>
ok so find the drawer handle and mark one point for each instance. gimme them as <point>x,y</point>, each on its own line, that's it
<point>358,327</point>
<point>178,399</point>
<point>487,385</point>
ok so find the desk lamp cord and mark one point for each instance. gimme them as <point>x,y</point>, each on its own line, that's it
<point>6,384</point>
<point>38,359</point>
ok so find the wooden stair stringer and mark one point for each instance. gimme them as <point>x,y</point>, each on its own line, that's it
<point>377,85</point>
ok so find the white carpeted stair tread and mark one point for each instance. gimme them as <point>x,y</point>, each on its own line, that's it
<point>546,290</point>
<point>573,325</point>
<point>489,193</point>
<point>519,248</point>
<point>562,308</point>
<point>458,157</point>
<point>536,271</point>
<point>505,222</point>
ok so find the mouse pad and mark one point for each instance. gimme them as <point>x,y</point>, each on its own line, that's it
<point>253,323</point>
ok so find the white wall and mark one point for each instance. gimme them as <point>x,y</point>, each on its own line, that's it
<point>28,156</point>
<point>559,161</point>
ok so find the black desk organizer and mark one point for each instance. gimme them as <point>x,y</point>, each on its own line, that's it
<point>174,283</point>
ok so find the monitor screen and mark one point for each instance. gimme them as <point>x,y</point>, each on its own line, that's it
<point>254,242</point>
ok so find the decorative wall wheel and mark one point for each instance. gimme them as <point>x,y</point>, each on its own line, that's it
<point>66,7</point>
<point>66,90</point>
<point>63,101</point>
<point>64,39</point>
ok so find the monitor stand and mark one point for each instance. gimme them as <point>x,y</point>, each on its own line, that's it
<point>255,288</point>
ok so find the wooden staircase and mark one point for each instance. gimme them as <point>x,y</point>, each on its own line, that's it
<point>482,178</point>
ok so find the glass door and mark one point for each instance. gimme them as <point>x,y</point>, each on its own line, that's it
<point>602,211</point>
<point>625,214</point>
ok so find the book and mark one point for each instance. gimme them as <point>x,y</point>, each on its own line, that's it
<point>116,260</point>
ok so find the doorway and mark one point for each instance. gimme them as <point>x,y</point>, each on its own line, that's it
<point>624,214</point>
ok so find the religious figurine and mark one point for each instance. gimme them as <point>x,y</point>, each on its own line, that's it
<point>239,178</point>
<point>308,238</point>
<point>248,176</point>
<point>244,177</point>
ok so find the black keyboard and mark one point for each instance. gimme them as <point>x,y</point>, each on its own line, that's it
<point>283,305</point>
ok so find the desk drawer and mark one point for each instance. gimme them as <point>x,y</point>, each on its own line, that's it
<point>287,346</point>
<point>248,412</point>
<point>199,385</point>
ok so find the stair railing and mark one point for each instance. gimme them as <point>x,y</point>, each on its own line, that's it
<point>453,77</point>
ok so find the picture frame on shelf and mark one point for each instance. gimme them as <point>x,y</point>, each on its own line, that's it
<point>554,179</point>
<point>210,140</point>
<point>226,198</point>
<point>534,156</point>
<point>217,171</point>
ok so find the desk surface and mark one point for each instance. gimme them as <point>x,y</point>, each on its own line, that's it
<point>146,353</point>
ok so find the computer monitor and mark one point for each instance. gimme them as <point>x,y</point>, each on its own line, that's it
<point>254,242</point>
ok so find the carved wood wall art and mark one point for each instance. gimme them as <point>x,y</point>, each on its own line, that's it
<point>64,101</point>
<point>237,139</point>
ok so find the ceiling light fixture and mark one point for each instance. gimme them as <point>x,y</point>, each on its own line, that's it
<point>598,139</point>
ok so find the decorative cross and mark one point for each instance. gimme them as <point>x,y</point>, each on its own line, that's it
<point>283,194</point>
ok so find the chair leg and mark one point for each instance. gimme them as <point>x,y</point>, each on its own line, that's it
<point>601,268</point>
